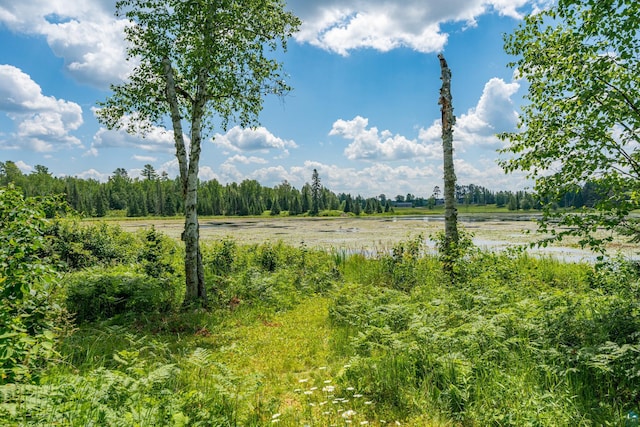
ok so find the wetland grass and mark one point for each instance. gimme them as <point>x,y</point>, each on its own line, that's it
<point>300,336</point>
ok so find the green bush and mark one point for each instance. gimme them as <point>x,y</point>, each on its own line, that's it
<point>158,254</point>
<point>81,245</point>
<point>28,286</point>
<point>271,275</point>
<point>221,256</point>
<point>100,294</point>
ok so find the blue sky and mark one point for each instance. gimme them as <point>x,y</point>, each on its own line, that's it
<point>363,110</point>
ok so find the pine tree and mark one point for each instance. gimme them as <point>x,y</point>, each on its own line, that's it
<point>275,207</point>
<point>348,204</point>
<point>100,203</point>
<point>316,192</point>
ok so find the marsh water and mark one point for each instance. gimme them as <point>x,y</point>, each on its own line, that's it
<point>378,234</point>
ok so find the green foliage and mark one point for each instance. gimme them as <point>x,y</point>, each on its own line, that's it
<point>453,255</point>
<point>123,272</point>
<point>394,338</point>
<point>580,124</point>
<point>159,196</point>
<point>221,256</point>
<point>563,338</point>
<point>158,255</point>
<point>402,265</point>
<point>190,390</point>
<point>316,192</point>
<point>95,294</point>
<point>200,63</point>
<point>270,275</point>
<point>28,288</point>
<point>80,245</point>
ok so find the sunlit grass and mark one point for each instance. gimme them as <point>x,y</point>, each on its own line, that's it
<point>282,345</point>
<point>297,337</point>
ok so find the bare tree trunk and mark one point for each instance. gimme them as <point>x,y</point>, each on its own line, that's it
<point>194,273</point>
<point>176,121</point>
<point>193,268</point>
<point>450,211</point>
<point>191,238</point>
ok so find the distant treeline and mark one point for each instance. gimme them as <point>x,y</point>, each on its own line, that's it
<point>157,194</point>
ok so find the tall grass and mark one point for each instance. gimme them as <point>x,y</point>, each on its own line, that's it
<point>301,337</point>
<point>518,341</point>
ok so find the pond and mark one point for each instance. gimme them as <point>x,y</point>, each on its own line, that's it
<point>378,234</point>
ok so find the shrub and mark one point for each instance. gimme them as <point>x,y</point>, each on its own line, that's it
<point>87,245</point>
<point>271,275</point>
<point>158,254</point>
<point>28,285</point>
<point>134,392</point>
<point>221,257</point>
<point>100,294</point>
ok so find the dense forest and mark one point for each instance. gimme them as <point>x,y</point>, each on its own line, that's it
<point>157,194</point>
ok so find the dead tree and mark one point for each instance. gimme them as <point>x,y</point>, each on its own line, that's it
<point>450,244</point>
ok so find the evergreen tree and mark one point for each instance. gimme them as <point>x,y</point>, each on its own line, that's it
<point>100,205</point>
<point>275,207</point>
<point>316,192</point>
<point>296,207</point>
<point>369,208</point>
<point>356,207</point>
<point>169,205</point>
<point>305,199</point>
<point>348,204</point>
<point>149,173</point>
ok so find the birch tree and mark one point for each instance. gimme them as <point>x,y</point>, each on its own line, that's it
<point>200,63</point>
<point>581,122</point>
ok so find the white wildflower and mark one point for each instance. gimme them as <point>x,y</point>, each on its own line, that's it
<point>348,414</point>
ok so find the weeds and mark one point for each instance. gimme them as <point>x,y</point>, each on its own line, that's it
<point>516,326</point>
<point>514,341</point>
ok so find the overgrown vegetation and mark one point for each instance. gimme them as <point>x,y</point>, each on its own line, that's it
<point>295,336</point>
<point>562,338</point>
<point>28,289</point>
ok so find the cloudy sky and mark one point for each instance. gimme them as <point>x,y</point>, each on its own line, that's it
<point>363,111</point>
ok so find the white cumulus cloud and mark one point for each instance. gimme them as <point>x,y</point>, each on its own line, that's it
<point>344,25</point>
<point>94,174</point>
<point>85,33</point>
<point>239,139</point>
<point>494,113</point>
<point>368,143</point>
<point>238,158</point>
<point>43,123</point>
<point>151,138</point>
<point>147,159</point>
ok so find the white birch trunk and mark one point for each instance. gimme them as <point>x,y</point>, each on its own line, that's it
<point>194,274</point>
<point>448,120</point>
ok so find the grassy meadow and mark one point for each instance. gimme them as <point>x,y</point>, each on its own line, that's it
<point>304,332</point>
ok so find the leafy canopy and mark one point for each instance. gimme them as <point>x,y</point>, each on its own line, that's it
<point>223,43</point>
<point>582,120</point>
